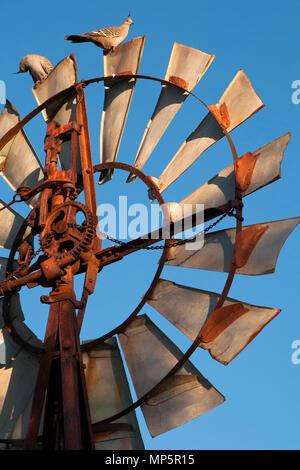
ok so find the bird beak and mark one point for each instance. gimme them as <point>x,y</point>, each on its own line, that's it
<point>14,73</point>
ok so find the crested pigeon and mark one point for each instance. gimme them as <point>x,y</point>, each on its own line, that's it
<point>38,66</point>
<point>106,38</point>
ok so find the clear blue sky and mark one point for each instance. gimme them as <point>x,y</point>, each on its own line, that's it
<point>261,385</point>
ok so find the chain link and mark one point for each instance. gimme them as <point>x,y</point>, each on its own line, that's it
<point>168,245</point>
<point>13,275</point>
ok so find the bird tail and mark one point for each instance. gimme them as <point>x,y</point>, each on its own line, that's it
<point>75,39</point>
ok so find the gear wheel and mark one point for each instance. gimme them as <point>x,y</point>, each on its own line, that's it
<point>62,234</point>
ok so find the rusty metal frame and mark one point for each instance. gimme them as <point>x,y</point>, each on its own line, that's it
<point>87,175</point>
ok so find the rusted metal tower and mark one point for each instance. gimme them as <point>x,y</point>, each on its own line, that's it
<point>68,395</point>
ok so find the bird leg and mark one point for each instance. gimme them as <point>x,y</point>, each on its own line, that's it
<point>38,82</point>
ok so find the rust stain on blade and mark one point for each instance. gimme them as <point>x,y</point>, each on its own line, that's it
<point>188,64</point>
<point>221,113</point>
<point>239,335</point>
<point>246,240</point>
<point>179,82</point>
<point>244,170</point>
<point>221,319</point>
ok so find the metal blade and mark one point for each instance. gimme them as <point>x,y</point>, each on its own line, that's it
<point>225,332</point>
<point>19,164</point>
<point>258,247</point>
<point>62,76</point>
<point>9,347</point>
<point>150,355</point>
<point>186,67</point>
<point>3,265</point>
<point>118,95</point>
<point>108,394</point>
<point>17,382</point>
<point>20,428</point>
<point>237,104</point>
<point>10,224</point>
<point>254,171</point>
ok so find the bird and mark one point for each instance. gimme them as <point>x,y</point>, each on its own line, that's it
<point>38,66</point>
<point>106,38</point>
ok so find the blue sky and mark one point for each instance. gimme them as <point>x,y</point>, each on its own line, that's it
<point>261,385</point>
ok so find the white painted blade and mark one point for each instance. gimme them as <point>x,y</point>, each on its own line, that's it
<point>108,394</point>
<point>118,95</point>
<point>62,76</point>
<point>150,355</point>
<point>10,224</point>
<point>19,164</point>
<point>237,104</point>
<point>185,69</point>
<point>224,332</point>
<point>258,247</point>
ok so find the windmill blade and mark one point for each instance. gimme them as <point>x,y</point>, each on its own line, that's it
<point>258,247</point>
<point>254,171</point>
<point>18,368</point>
<point>20,429</point>
<point>3,267</point>
<point>9,346</point>
<point>237,104</point>
<point>185,69</point>
<point>62,76</point>
<point>17,382</point>
<point>225,332</point>
<point>10,224</point>
<point>19,164</point>
<point>108,394</point>
<point>150,355</point>
<point>124,60</point>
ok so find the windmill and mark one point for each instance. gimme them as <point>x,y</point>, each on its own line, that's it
<point>76,395</point>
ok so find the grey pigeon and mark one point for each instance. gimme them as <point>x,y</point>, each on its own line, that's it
<point>106,38</point>
<point>38,66</point>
